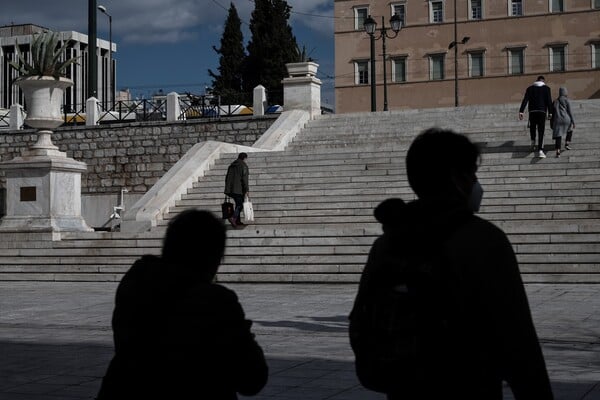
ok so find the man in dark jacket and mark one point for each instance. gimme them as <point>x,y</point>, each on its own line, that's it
<point>539,98</point>
<point>178,335</point>
<point>467,309</point>
<point>236,186</point>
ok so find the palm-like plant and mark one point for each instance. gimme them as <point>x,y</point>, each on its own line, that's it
<point>46,58</point>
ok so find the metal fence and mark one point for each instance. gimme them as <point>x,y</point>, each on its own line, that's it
<point>4,119</point>
<point>155,109</point>
<point>121,111</point>
<point>209,106</point>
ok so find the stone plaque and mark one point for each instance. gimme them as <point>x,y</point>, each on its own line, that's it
<point>28,193</point>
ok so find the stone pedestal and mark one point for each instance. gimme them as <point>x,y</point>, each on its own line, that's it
<point>43,190</point>
<point>302,89</point>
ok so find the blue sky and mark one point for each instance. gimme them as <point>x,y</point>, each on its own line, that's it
<point>167,44</point>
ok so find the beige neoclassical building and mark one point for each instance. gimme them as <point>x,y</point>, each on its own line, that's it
<point>508,43</point>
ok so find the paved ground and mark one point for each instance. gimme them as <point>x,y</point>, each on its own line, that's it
<point>55,339</point>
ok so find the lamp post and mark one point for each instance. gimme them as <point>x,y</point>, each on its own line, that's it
<point>454,45</point>
<point>92,81</point>
<point>371,28</point>
<point>110,66</point>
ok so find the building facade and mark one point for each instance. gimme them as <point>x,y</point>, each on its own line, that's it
<point>75,96</point>
<point>501,47</point>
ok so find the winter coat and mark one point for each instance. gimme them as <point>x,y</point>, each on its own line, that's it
<point>178,338</point>
<point>539,98</point>
<point>236,180</point>
<point>562,119</point>
<point>493,338</point>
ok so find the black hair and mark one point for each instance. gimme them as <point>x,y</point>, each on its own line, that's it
<point>195,240</point>
<point>541,78</point>
<point>436,157</point>
<point>242,156</point>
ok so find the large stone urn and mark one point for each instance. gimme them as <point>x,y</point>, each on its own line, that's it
<point>44,98</point>
<point>43,185</point>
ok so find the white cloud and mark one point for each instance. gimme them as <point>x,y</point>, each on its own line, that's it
<point>152,21</point>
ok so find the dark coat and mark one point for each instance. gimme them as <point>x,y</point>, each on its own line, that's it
<point>177,338</point>
<point>493,336</point>
<point>236,180</point>
<point>539,99</point>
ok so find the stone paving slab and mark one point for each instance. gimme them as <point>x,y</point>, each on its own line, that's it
<point>56,341</point>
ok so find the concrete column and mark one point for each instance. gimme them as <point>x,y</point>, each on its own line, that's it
<point>16,117</point>
<point>92,112</point>
<point>173,107</point>
<point>259,100</point>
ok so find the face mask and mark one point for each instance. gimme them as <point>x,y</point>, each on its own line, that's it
<point>476,196</point>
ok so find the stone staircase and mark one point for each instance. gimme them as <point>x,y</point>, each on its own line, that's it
<point>314,203</point>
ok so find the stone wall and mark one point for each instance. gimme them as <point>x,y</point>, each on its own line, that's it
<point>134,155</point>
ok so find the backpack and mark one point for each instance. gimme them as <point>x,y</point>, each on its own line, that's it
<point>401,330</point>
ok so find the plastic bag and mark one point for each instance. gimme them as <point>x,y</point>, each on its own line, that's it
<point>248,210</point>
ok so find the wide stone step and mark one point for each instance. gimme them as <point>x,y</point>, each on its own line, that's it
<point>314,203</point>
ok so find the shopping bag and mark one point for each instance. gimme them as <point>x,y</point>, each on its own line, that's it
<point>248,210</point>
<point>227,208</point>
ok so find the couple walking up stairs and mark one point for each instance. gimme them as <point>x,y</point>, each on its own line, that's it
<point>314,201</point>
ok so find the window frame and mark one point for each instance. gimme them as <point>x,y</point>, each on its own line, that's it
<point>395,59</point>
<point>393,11</point>
<point>551,6</point>
<point>595,49</point>
<point>482,67</point>
<point>357,72</point>
<point>551,52</point>
<point>432,14</point>
<point>511,8</point>
<point>356,9</point>
<point>471,17</point>
<point>432,59</point>
<point>511,51</point>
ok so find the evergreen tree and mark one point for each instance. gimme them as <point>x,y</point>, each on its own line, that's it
<point>228,81</point>
<point>271,47</point>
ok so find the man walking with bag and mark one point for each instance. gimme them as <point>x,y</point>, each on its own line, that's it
<point>236,186</point>
<point>539,98</point>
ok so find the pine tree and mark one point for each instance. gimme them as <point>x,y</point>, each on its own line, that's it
<point>228,82</point>
<point>271,47</point>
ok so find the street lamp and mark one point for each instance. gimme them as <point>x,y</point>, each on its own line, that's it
<point>92,79</point>
<point>371,28</point>
<point>110,66</point>
<point>454,45</point>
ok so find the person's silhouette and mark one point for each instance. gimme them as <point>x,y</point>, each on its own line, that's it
<point>177,334</point>
<point>466,322</point>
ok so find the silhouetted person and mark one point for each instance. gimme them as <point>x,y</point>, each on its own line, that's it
<point>539,98</point>
<point>236,186</point>
<point>466,321</point>
<point>177,334</point>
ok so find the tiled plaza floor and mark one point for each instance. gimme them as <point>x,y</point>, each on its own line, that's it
<point>55,339</point>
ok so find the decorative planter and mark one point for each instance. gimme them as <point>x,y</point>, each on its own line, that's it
<point>43,100</point>
<point>307,68</point>
<point>43,185</point>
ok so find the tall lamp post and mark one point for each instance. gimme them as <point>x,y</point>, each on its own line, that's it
<point>454,45</point>
<point>371,28</point>
<point>92,81</point>
<point>110,66</point>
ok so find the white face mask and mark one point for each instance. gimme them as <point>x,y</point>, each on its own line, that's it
<point>476,196</point>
